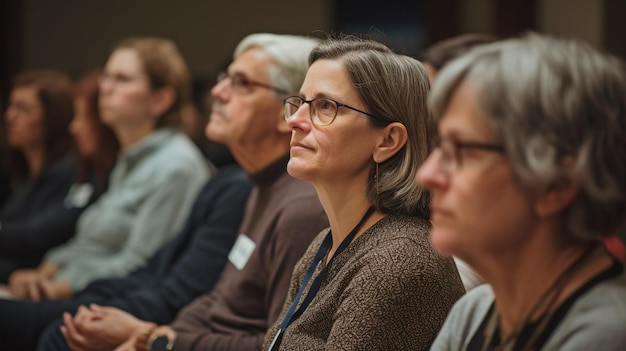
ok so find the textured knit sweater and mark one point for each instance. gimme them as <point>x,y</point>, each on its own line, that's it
<point>389,290</point>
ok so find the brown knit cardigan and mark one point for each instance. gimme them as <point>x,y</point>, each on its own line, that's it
<point>389,290</point>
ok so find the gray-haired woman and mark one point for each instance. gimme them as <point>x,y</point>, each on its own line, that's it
<point>525,180</point>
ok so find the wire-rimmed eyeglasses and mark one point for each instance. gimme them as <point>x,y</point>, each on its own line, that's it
<point>451,155</point>
<point>322,110</point>
<point>241,84</point>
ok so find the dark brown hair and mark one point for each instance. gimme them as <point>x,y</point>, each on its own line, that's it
<point>442,52</point>
<point>96,168</point>
<point>54,91</point>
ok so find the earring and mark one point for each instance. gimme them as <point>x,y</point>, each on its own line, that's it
<point>376,179</point>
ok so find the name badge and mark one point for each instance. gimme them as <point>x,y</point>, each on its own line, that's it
<point>241,251</point>
<point>79,195</point>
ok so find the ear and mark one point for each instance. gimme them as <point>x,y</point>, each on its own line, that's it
<point>558,196</point>
<point>162,99</point>
<point>392,138</point>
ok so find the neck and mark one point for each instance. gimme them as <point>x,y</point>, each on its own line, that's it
<point>345,203</point>
<point>524,274</point>
<point>35,158</point>
<point>255,157</point>
<point>130,135</point>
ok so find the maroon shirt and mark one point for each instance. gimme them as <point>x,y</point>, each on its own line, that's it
<point>282,217</point>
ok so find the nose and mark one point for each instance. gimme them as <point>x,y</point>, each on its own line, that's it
<point>10,114</point>
<point>221,90</point>
<point>73,127</point>
<point>106,85</point>
<point>301,119</point>
<point>430,174</point>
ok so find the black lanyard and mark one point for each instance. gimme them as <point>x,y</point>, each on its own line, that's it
<point>292,314</point>
<point>547,300</point>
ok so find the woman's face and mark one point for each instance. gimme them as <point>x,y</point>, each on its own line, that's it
<point>25,119</point>
<point>125,93</point>
<point>477,207</point>
<point>342,151</point>
<point>84,129</point>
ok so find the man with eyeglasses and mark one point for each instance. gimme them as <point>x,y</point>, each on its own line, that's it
<point>282,217</point>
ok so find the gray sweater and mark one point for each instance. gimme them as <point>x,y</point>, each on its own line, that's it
<point>596,320</point>
<point>151,190</point>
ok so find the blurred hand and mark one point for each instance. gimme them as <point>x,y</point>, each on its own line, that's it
<point>100,328</point>
<point>24,284</point>
<point>128,345</point>
<point>52,290</point>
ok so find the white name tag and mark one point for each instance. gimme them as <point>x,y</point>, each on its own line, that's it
<point>241,251</point>
<point>79,195</point>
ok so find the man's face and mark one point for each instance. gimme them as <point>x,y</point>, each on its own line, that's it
<point>242,116</point>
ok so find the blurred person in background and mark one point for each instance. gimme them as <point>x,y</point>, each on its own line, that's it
<point>36,217</point>
<point>434,58</point>
<point>282,216</point>
<point>195,117</point>
<point>96,143</point>
<point>437,55</point>
<point>157,174</point>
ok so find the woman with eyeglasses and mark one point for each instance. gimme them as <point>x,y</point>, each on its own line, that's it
<point>360,129</point>
<point>157,174</point>
<point>526,181</point>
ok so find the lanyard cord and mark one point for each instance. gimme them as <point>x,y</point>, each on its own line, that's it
<point>554,290</point>
<point>292,313</point>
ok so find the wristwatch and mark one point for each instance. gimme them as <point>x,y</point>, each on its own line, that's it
<point>161,343</point>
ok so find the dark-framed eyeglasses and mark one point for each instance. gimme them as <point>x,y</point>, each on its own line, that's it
<point>322,110</point>
<point>451,155</point>
<point>240,84</point>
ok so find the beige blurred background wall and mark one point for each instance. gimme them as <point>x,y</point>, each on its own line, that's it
<point>76,35</point>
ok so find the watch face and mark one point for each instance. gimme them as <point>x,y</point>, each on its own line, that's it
<point>160,343</point>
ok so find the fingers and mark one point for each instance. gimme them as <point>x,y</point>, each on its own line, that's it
<point>46,288</point>
<point>33,289</point>
<point>72,336</point>
<point>128,345</point>
<point>82,316</point>
<point>70,343</point>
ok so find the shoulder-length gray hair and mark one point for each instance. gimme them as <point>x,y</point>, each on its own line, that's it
<point>549,101</point>
<point>394,88</point>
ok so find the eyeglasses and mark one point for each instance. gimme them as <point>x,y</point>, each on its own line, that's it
<point>323,110</point>
<point>451,155</point>
<point>117,78</point>
<point>240,84</point>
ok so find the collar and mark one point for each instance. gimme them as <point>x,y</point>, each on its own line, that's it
<point>131,156</point>
<point>270,173</point>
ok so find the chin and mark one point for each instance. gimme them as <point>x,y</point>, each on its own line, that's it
<point>444,241</point>
<point>295,168</point>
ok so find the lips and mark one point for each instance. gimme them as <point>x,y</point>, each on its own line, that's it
<point>439,213</point>
<point>297,145</point>
<point>217,110</point>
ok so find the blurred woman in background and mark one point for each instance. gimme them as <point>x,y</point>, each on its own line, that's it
<point>158,173</point>
<point>35,218</point>
<point>96,143</point>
